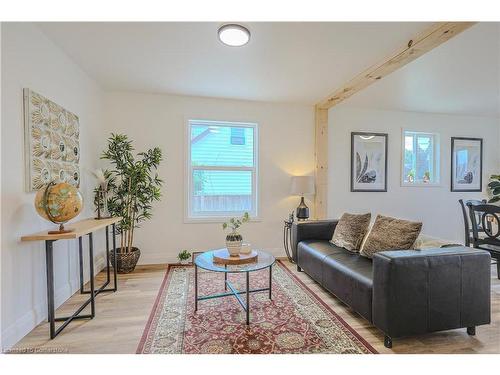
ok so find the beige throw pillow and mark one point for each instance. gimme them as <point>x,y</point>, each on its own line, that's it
<point>350,231</point>
<point>389,233</point>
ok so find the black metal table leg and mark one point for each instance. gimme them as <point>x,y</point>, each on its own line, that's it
<point>248,298</point>
<point>270,281</point>
<point>195,288</point>
<point>225,278</point>
<point>102,288</point>
<point>91,262</point>
<point>114,258</point>
<point>49,264</point>
<point>80,258</point>
<point>287,239</point>
<point>107,254</point>
<point>233,291</point>
<point>51,318</point>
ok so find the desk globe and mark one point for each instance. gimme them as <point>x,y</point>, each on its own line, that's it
<point>58,203</point>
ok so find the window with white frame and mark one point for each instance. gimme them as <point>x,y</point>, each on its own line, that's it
<point>420,164</point>
<point>222,169</point>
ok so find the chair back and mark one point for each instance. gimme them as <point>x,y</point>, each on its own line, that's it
<point>466,216</point>
<point>487,217</point>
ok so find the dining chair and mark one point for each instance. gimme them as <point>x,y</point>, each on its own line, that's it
<point>467,221</point>
<point>489,215</point>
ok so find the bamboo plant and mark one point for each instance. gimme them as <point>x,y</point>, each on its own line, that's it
<point>133,185</point>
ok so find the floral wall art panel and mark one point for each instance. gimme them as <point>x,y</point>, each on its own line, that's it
<point>52,144</point>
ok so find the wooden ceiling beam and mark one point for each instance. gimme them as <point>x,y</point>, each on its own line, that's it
<point>422,43</point>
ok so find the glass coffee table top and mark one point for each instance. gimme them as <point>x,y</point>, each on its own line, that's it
<point>206,261</point>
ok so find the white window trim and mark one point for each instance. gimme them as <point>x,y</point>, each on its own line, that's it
<point>220,217</point>
<point>437,149</point>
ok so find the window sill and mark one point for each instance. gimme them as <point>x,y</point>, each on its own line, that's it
<point>217,220</point>
<point>421,184</point>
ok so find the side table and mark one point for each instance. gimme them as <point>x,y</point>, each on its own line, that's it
<point>287,238</point>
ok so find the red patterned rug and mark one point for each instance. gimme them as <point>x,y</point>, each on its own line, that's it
<point>294,321</point>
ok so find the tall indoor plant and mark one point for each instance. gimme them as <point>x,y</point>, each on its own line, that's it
<point>133,186</point>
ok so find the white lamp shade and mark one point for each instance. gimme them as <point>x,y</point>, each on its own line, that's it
<point>302,185</point>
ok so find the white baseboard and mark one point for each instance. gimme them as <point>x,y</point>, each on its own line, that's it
<point>27,322</point>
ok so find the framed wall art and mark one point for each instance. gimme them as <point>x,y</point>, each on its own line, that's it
<point>466,164</point>
<point>52,146</point>
<point>368,162</point>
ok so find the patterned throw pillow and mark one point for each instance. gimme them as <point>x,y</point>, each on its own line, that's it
<point>389,233</point>
<point>350,231</point>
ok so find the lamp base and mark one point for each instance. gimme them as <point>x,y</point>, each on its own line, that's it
<point>302,212</point>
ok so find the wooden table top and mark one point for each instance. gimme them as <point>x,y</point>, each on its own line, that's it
<point>80,228</point>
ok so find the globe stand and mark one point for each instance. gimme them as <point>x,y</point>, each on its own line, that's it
<point>61,230</point>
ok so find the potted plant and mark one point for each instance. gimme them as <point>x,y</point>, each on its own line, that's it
<point>234,239</point>
<point>184,256</point>
<point>132,186</point>
<point>427,177</point>
<point>494,188</point>
<point>411,176</point>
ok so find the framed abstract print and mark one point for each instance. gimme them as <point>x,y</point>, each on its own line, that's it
<point>466,164</point>
<point>368,162</point>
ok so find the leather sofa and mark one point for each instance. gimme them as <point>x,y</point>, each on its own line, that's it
<point>401,292</point>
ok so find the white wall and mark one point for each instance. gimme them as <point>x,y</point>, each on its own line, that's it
<point>436,207</point>
<point>286,148</point>
<point>31,60</point>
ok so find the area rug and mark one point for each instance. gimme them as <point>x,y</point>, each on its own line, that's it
<point>294,321</point>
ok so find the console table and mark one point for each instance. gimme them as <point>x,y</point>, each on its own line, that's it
<point>79,230</point>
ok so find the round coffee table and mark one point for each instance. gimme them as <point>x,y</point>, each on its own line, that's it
<point>206,261</point>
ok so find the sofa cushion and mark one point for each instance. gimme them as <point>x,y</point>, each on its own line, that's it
<point>310,256</point>
<point>350,231</point>
<point>349,277</point>
<point>389,233</point>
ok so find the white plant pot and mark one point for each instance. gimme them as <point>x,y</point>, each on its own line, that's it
<point>233,247</point>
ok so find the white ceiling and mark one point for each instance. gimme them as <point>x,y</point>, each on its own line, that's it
<point>288,62</point>
<point>462,76</point>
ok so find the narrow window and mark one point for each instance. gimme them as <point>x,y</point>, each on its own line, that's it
<point>420,164</point>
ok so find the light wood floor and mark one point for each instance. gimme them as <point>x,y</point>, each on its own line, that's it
<point>122,316</point>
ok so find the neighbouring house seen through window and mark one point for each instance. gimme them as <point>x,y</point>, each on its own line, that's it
<point>222,169</point>
<point>420,158</point>
<point>237,136</point>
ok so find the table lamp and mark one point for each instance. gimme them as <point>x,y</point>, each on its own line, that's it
<point>302,185</point>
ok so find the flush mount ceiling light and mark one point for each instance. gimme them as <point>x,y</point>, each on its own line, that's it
<point>234,35</point>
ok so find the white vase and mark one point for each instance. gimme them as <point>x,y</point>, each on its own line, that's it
<point>233,247</point>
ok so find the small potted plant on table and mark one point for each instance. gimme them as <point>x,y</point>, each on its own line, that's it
<point>234,239</point>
